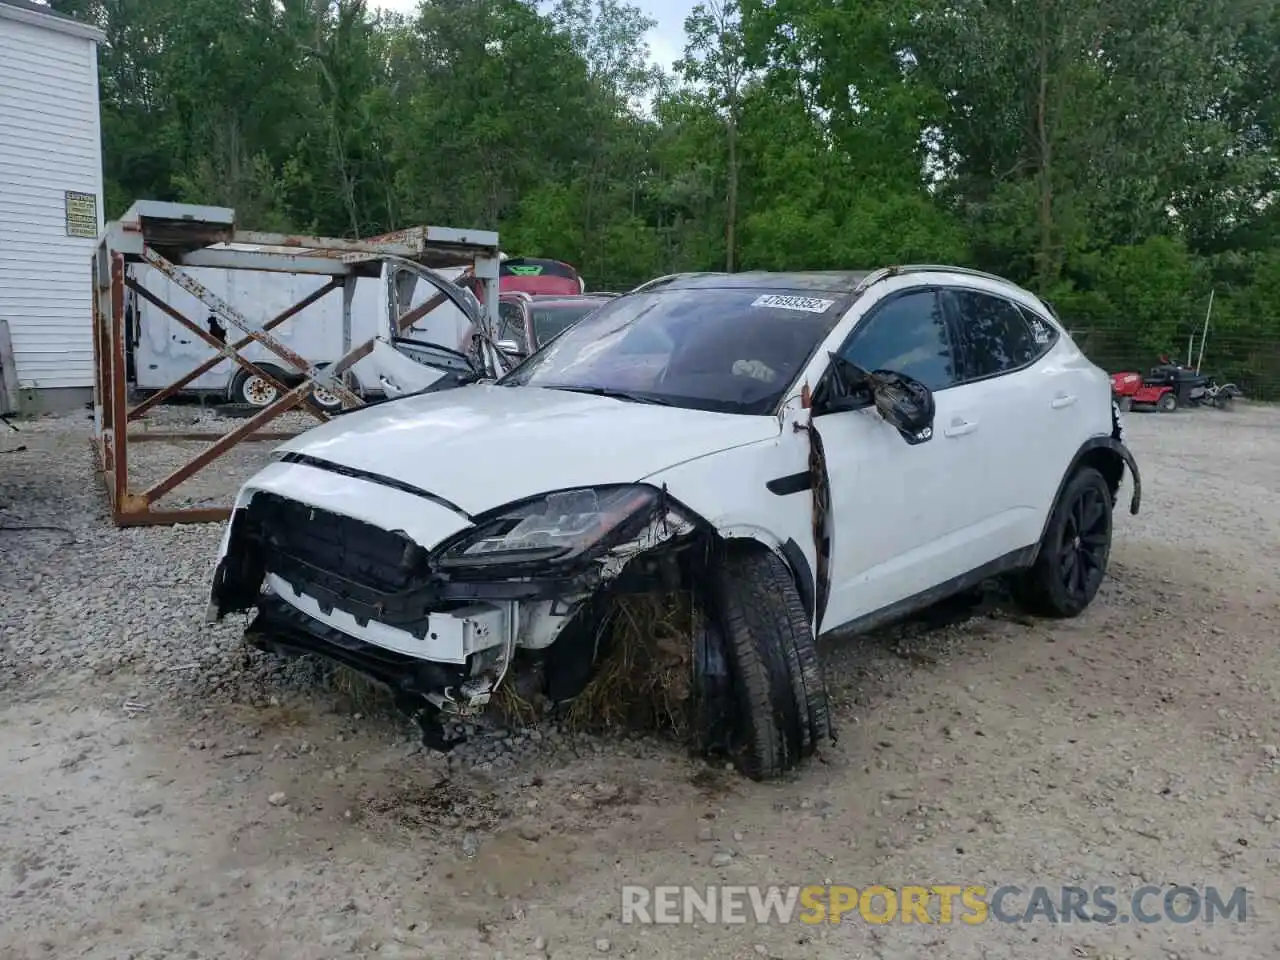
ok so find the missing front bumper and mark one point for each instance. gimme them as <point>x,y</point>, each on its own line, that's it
<point>459,682</point>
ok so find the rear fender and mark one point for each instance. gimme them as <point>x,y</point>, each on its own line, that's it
<point>1110,456</point>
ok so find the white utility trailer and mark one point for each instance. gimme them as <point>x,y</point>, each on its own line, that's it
<point>161,349</point>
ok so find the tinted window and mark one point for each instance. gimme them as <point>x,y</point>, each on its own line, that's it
<point>993,334</point>
<point>907,335</point>
<point>734,350</point>
<point>1042,332</point>
<point>548,321</point>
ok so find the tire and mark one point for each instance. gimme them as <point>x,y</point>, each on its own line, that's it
<point>1051,587</point>
<point>250,389</point>
<point>1167,402</point>
<point>779,691</point>
<point>331,402</point>
<point>1125,404</point>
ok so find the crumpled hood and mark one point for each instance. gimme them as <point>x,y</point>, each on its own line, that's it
<point>484,446</point>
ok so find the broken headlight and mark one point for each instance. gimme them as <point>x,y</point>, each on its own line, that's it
<point>553,528</point>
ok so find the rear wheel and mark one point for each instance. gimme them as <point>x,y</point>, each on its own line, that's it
<point>1073,555</point>
<point>326,399</point>
<point>1167,402</point>
<point>780,695</point>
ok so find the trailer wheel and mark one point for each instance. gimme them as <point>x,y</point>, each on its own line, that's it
<point>327,401</point>
<point>779,693</point>
<point>1167,403</point>
<point>249,388</point>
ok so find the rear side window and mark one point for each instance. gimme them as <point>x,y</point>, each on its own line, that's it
<point>995,336</point>
<point>1042,332</point>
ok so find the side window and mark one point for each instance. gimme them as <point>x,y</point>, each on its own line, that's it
<point>906,335</point>
<point>1042,332</point>
<point>994,334</point>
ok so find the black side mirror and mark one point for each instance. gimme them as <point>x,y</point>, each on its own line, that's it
<point>903,402</point>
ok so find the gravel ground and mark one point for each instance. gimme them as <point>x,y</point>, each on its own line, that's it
<point>169,793</point>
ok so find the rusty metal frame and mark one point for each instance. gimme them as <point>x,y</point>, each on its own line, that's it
<point>168,237</point>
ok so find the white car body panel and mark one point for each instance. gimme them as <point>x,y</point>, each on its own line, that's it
<point>396,374</point>
<point>484,446</point>
<point>422,521</point>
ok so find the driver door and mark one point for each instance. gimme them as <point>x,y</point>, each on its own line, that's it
<point>427,330</point>
<point>903,514</point>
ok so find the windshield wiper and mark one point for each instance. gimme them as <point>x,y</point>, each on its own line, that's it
<point>617,395</point>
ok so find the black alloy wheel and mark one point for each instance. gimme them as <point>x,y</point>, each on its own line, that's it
<point>1072,560</point>
<point>1084,544</point>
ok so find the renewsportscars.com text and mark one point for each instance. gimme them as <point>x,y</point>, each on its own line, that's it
<point>933,904</point>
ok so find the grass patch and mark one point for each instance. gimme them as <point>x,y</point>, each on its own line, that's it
<point>646,679</point>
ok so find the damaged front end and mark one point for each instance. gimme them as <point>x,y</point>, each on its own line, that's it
<point>443,623</point>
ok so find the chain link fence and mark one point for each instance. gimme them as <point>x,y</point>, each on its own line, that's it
<point>1249,359</point>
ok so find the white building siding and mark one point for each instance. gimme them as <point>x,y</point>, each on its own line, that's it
<point>49,144</point>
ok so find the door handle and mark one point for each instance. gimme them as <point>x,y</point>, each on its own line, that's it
<point>1062,400</point>
<point>960,427</point>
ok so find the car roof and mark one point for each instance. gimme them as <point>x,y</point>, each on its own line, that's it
<point>826,281</point>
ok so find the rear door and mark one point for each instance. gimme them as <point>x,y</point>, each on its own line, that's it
<point>1026,404</point>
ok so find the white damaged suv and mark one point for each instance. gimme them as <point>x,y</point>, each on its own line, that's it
<point>803,453</point>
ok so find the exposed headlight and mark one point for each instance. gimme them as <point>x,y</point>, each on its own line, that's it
<point>557,527</point>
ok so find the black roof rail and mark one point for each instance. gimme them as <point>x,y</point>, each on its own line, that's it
<point>884,273</point>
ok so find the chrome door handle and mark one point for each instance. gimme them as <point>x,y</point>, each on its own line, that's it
<point>960,427</point>
<point>1063,400</point>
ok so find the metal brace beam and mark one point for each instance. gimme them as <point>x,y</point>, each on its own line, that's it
<point>233,316</point>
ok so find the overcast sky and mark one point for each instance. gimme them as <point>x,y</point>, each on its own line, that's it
<point>666,41</point>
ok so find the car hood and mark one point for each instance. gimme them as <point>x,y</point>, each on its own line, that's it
<point>483,446</point>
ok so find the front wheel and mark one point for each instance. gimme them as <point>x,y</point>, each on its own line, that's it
<point>1167,402</point>
<point>1125,404</point>
<point>781,697</point>
<point>1073,555</point>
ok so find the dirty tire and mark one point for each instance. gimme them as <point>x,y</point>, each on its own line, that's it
<point>779,689</point>
<point>1080,526</point>
<point>331,402</point>
<point>1167,403</point>
<point>249,389</point>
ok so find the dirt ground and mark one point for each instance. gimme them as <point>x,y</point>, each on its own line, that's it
<point>149,812</point>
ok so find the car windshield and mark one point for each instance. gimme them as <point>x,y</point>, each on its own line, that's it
<point>551,319</point>
<point>731,350</point>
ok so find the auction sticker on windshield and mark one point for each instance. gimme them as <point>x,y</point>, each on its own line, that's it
<point>783,302</point>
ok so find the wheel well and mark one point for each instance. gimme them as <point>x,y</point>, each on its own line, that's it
<point>1108,463</point>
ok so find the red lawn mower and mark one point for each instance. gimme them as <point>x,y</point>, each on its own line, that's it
<point>1169,386</point>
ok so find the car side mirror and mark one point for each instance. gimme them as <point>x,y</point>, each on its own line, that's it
<point>905,403</point>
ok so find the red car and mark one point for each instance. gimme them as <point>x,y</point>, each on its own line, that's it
<point>529,321</point>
